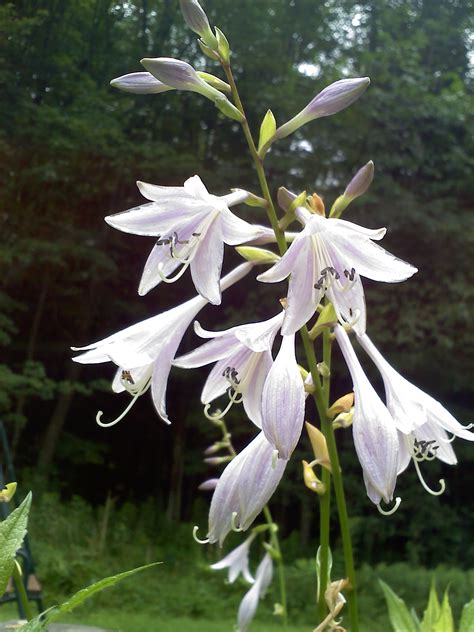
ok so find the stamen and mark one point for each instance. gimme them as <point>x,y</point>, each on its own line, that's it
<point>177,276</point>
<point>233,524</point>
<point>234,397</point>
<point>425,486</point>
<point>120,417</point>
<point>421,450</point>
<point>389,512</point>
<point>198,540</point>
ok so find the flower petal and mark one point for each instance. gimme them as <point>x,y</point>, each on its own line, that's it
<point>303,296</point>
<point>237,231</point>
<point>283,401</point>
<point>252,396</point>
<point>284,267</point>
<point>211,351</point>
<point>206,265</point>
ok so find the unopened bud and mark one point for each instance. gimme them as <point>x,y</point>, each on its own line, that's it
<point>214,81</point>
<point>217,460</point>
<point>197,21</point>
<point>208,485</point>
<point>257,255</point>
<point>316,204</point>
<point>341,405</point>
<point>327,318</point>
<point>311,481</point>
<point>7,492</point>
<point>332,99</point>
<point>323,369</point>
<point>319,445</point>
<point>356,187</point>
<point>223,47</point>
<point>343,420</point>
<point>285,198</point>
<point>180,75</point>
<point>140,83</point>
<point>223,104</point>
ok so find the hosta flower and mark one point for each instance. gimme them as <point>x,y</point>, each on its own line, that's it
<point>192,226</point>
<point>423,422</point>
<point>244,488</point>
<point>248,605</point>
<point>243,360</point>
<point>237,561</point>
<point>373,429</point>
<point>144,352</point>
<point>328,257</point>
<point>283,401</point>
<point>197,21</point>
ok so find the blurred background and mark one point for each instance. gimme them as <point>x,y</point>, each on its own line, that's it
<point>71,149</point>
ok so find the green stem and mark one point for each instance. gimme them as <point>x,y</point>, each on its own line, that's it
<point>328,431</point>
<point>281,569</point>
<point>20,587</point>
<point>271,213</point>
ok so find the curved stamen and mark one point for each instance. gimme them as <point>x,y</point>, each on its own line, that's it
<point>177,276</point>
<point>450,439</point>
<point>274,459</point>
<point>233,524</point>
<point>195,536</point>
<point>120,417</point>
<point>235,398</point>
<point>425,485</point>
<point>389,512</point>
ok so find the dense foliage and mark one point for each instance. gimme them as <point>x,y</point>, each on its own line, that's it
<point>71,149</point>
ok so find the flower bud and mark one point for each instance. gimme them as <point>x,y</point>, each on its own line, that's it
<point>7,493</point>
<point>311,481</point>
<point>257,255</point>
<point>208,485</point>
<point>332,99</point>
<point>323,369</point>
<point>344,420</point>
<point>197,21</point>
<point>180,75</point>
<point>342,405</point>
<point>356,187</point>
<point>140,83</point>
<point>319,445</point>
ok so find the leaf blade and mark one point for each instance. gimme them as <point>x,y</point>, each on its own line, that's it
<point>398,612</point>
<point>12,533</point>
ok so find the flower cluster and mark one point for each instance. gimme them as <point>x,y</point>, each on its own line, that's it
<point>256,363</point>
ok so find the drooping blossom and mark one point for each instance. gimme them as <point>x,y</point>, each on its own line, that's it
<point>192,226</point>
<point>373,428</point>
<point>422,421</point>
<point>283,401</point>
<point>244,488</point>
<point>327,258</point>
<point>243,360</point>
<point>248,605</point>
<point>144,352</point>
<point>237,561</point>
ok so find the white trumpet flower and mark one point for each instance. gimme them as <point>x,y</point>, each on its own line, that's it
<point>373,428</point>
<point>237,561</point>
<point>243,360</point>
<point>248,605</point>
<point>144,352</point>
<point>423,422</point>
<point>327,258</point>
<point>244,488</point>
<point>192,226</point>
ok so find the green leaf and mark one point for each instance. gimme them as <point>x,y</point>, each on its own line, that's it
<point>40,622</point>
<point>12,532</point>
<point>445,622</point>
<point>267,129</point>
<point>398,613</point>
<point>432,612</point>
<point>467,618</point>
